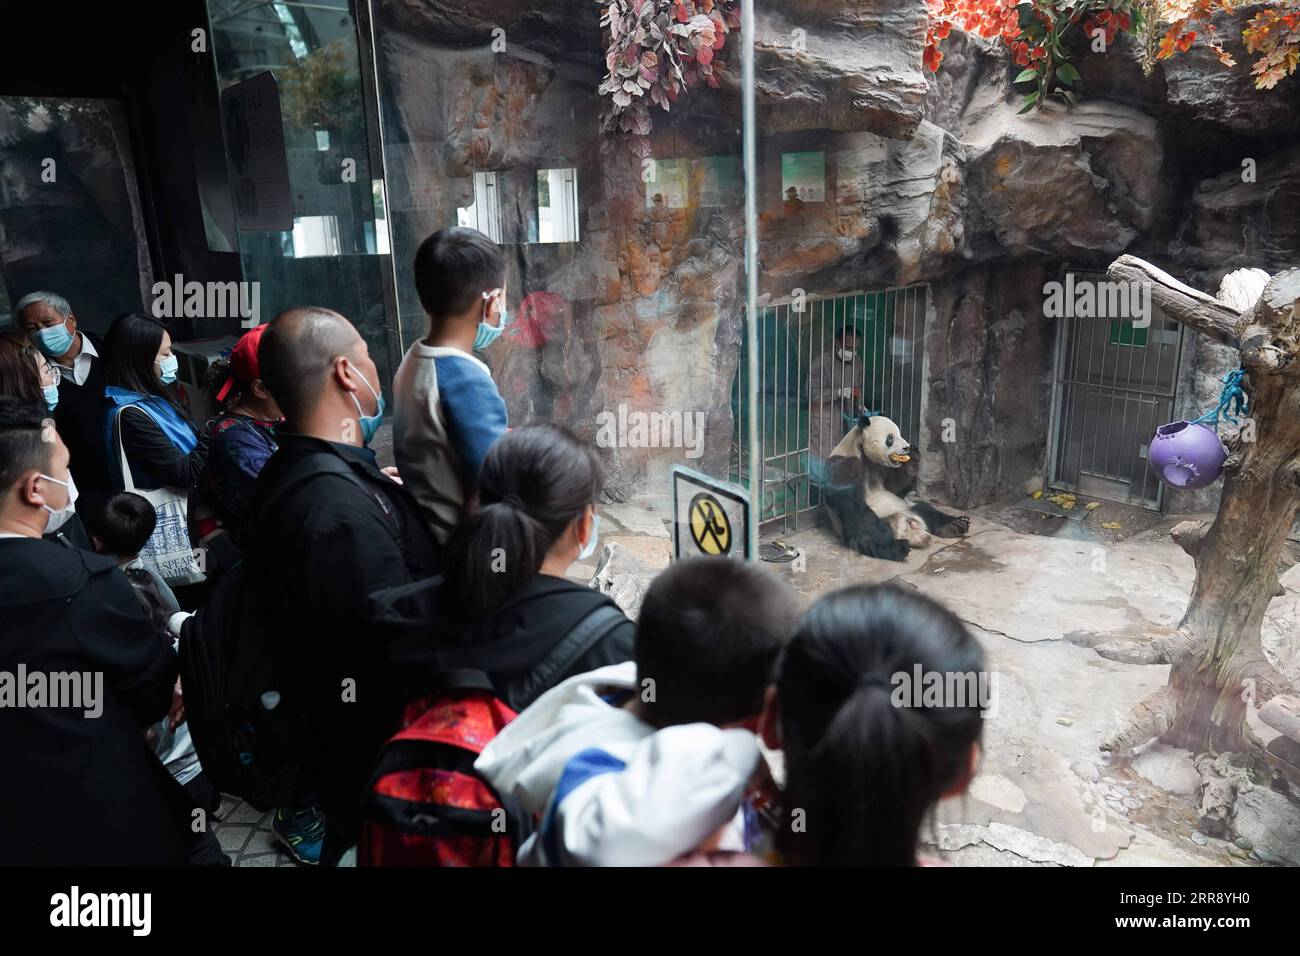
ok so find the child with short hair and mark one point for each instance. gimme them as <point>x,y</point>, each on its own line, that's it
<point>867,754</point>
<point>708,633</point>
<point>447,411</point>
<point>120,524</point>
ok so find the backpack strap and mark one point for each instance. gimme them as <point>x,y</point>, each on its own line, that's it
<point>249,600</point>
<point>469,667</point>
<point>322,462</point>
<point>461,678</point>
<point>410,614</point>
<point>454,669</point>
<point>586,634</point>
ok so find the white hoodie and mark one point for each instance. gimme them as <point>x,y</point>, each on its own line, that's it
<point>612,790</point>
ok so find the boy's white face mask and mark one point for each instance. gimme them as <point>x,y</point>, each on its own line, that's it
<point>61,517</point>
<point>846,355</point>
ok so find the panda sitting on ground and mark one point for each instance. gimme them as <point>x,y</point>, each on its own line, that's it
<point>869,473</point>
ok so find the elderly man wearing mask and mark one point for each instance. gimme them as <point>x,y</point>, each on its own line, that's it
<point>47,320</point>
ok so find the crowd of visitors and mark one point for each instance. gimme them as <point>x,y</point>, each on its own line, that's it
<point>394,659</point>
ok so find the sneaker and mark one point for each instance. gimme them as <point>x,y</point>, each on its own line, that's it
<point>302,832</point>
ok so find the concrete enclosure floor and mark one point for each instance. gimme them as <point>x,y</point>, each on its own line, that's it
<point>1040,600</point>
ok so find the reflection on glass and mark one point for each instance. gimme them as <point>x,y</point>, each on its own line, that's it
<point>377,231</point>
<point>311,48</point>
<point>291,31</point>
<point>483,212</point>
<point>70,217</point>
<point>624,255</point>
<point>803,176</point>
<point>557,205</point>
<point>721,180</point>
<point>316,236</point>
<point>668,183</point>
<point>335,252</point>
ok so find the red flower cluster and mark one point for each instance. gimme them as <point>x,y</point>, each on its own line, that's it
<point>1032,31</point>
<point>1108,23</point>
<point>986,18</point>
<point>1024,54</point>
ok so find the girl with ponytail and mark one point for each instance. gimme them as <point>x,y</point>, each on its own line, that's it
<point>533,512</point>
<point>867,753</point>
<point>503,595</point>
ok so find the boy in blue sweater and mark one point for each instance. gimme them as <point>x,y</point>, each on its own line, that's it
<point>447,410</point>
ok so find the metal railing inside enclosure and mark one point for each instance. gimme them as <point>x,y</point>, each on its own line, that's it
<point>821,360</point>
<point>1116,382</point>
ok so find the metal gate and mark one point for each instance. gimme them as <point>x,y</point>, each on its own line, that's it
<point>1115,384</point>
<point>806,389</point>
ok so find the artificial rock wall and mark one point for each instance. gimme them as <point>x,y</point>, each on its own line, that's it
<point>929,178</point>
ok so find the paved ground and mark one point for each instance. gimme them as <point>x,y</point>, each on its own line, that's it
<point>1041,592</point>
<point>245,835</point>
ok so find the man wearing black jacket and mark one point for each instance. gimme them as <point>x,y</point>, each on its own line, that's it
<point>83,672</point>
<point>331,529</point>
<point>48,322</point>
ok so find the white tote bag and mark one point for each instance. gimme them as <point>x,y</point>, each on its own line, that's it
<point>169,551</point>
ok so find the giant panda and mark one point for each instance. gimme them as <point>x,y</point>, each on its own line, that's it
<point>869,473</point>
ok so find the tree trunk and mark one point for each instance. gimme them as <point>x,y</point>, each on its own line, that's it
<point>1236,578</point>
<point>1218,664</point>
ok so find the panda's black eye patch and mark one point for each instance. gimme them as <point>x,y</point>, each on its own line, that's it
<point>889,441</point>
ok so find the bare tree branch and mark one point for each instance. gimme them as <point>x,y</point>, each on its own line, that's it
<point>1182,303</point>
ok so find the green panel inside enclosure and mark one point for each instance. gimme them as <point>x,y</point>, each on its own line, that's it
<point>792,336</point>
<point>1123,332</point>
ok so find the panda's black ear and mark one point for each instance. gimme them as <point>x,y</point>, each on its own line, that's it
<point>864,420</point>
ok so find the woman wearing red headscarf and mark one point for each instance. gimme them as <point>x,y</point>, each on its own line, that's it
<point>243,438</point>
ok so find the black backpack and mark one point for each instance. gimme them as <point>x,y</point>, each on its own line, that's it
<point>251,736</point>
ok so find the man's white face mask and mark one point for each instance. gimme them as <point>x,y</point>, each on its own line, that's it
<point>846,355</point>
<point>61,517</point>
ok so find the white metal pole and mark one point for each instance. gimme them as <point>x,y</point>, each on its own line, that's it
<point>750,136</point>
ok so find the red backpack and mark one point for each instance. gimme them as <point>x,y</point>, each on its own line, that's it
<point>425,804</point>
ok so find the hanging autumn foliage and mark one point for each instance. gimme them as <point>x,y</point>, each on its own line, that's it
<point>658,49</point>
<point>1275,33</point>
<point>1033,31</point>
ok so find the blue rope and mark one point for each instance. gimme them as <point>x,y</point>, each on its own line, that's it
<point>851,420</point>
<point>1231,395</point>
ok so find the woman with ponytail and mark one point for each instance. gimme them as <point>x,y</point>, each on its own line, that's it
<point>503,597</point>
<point>532,514</point>
<point>868,752</point>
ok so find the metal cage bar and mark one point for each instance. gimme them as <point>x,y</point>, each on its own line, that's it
<point>1092,450</point>
<point>883,373</point>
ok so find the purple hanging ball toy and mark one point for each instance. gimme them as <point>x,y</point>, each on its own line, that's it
<point>1187,455</point>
